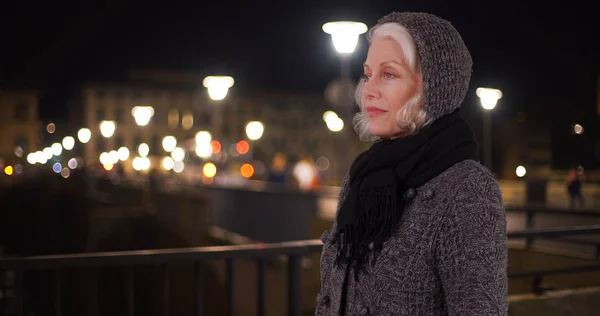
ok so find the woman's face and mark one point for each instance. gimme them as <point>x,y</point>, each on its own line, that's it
<point>388,84</point>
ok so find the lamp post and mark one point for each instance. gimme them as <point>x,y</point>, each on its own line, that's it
<point>344,35</point>
<point>489,98</point>
<point>217,87</point>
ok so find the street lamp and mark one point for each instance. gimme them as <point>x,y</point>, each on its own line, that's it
<point>344,35</point>
<point>218,86</point>
<point>142,114</point>
<point>489,98</point>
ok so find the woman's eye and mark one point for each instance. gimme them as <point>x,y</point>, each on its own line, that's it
<point>365,77</point>
<point>389,75</point>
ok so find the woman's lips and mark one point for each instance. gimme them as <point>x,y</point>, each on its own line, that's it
<point>374,111</point>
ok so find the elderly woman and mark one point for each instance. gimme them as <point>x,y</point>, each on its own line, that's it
<point>420,227</point>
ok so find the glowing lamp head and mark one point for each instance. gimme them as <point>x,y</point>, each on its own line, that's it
<point>218,86</point>
<point>489,97</point>
<point>345,34</point>
<point>142,114</point>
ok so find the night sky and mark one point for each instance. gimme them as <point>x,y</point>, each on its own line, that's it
<point>541,54</point>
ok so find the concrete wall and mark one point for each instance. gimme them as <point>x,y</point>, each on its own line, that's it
<point>264,216</point>
<point>183,216</point>
<point>580,302</point>
<point>514,192</point>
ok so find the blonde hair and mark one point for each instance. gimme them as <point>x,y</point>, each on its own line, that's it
<point>411,116</point>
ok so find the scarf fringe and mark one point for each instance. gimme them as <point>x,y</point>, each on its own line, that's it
<point>359,244</point>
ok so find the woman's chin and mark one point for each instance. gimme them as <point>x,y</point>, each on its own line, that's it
<point>379,132</point>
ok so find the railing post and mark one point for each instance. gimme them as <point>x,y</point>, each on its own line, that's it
<point>295,285</point>
<point>260,286</point>
<point>199,289</point>
<point>530,214</point>
<point>57,293</point>
<point>165,277</point>
<point>229,285</point>
<point>129,278</point>
<point>19,292</point>
<point>94,293</point>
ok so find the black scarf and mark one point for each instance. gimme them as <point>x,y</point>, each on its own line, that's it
<point>372,210</point>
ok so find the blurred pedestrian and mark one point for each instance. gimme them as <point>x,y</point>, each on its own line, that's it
<point>278,172</point>
<point>574,184</point>
<point>420,226</point>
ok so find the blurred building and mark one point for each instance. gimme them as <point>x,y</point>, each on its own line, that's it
<point>521,141</point>
<point>293,122</point>
<point>20,128</point>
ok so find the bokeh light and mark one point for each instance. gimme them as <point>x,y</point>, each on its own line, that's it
<point>84,135</point>
<point>72,163</point>
<point>209,170</point>
<point>8,170</point>
<point>247,170</point>
<point>68,142</point>
<point>57,167</point>
<point>242,147</point>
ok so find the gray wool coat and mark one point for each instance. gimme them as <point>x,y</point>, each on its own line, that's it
<point>448,257</point>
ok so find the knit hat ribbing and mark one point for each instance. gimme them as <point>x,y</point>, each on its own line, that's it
<point>445,60</point>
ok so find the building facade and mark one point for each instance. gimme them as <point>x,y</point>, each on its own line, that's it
<point>293,122</point>
<point>20,128</point>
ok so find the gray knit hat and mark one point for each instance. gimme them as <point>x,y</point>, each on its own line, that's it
<point>446,63</point>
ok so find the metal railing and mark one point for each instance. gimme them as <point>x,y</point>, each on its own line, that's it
<point>293,251</point>
<point>531,212</point>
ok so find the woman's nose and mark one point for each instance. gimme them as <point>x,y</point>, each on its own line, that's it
<point>370,90</point>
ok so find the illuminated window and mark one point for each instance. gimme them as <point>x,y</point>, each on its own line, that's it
<point>187,122</point>
<point>173,118</point>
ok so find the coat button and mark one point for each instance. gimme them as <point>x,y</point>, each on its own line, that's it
<point>324,299</point>
<point>410,194</point>
<point>428,195</point>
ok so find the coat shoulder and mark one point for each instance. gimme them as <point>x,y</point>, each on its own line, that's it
<point>467,178</point>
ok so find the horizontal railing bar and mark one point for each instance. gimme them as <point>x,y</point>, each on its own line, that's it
<point>161,255</point>
<point>584,242</point>
<point>539,273</point>
<point>555,231</point>
<point>553,210</point>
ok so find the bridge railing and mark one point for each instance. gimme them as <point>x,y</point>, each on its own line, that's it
<point>293,251</point>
